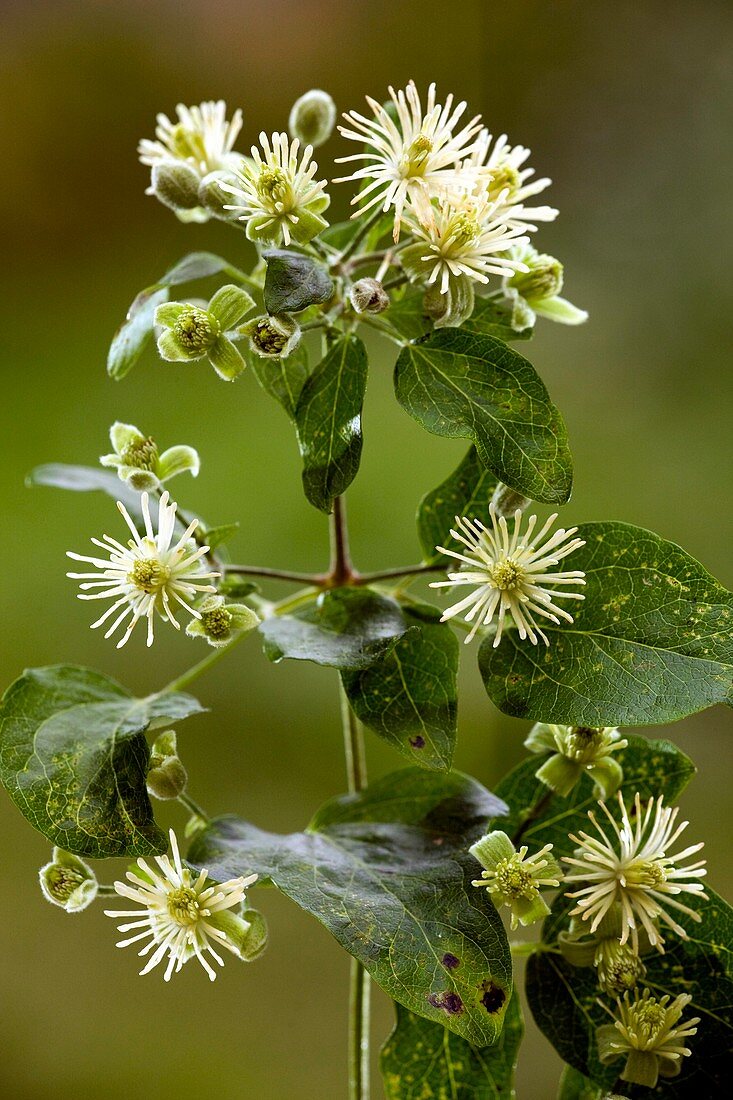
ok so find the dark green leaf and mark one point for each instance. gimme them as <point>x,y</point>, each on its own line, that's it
<point>133,335</point>
<point>409,696</point>
<point>564,1003</point>
<point>467,492</point>
<point>574,1086</point>
<point>491,320</point>
<point>328,421</point>
<point>73,757</point>
<point>423,1061</point>
<point>293,282</point>
<point>283,379</point>
<point>86,479</point>
<point>342,628</point>
<point>650,767</point>
<point>387,872</point>
<point>236,587</point>
<point>466,385</point>
<point>652,641</point>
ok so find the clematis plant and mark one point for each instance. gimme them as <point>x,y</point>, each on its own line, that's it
<point>587,630</point>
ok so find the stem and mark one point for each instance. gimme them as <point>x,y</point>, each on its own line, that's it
<point>273,574</point>
<point>341,571</point>
<point>404,571</point>
<point>356,241</point>
<point>398,280</point>
<point>197,670</point>
<point>193,807</point>
<point>539,807</point>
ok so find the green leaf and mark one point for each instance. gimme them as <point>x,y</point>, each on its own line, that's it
<point>423,1061</point>
<point>407,315</point>
<point>293,282</point>
<point>491,320</point>
<point>131,338</point>
<point>467,492</point>
<point>283,379</point>
<point>236,587</point>
<point>328,422</point>
<point>650,767</point>
<point>387,872</point>
<point>217,536</point>
<point>651,642</point>
<point>73,757</point>
<point>343,628</point>
<point>86,479</point>
<point>465,385</point>
<point>574,1086</point>
<point>564,1002</point>
<point>409,696</point>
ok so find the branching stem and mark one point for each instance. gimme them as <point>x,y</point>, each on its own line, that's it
<point>536,811</point>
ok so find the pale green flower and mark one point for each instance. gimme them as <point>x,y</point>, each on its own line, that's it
<point>575,750</point>
<point>619,967</point>
<point>648,1033</point>
<point>167,777</point>
<point>138,462</point>
<point>68,882</point>
<point>191,332</point>
<point>536,291</point>
<point>515,879</point>
<point>219,621</point>
<point>273,336</point>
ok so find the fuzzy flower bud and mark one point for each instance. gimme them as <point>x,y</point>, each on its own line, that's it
<point>68,882</point>
<point>619,966</point>
<point>312,118</point>
<point>578,749</point>
<point>369,296</point>
<point>219,621</point>
<point>175,184</point>
<point>506,501</point>
<point>272,337</point>
<point>167,777</point>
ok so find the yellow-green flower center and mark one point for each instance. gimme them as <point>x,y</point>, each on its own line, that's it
<point>62,882</point>
<point>619,967</point>
<point>502,178</point>
<point>140,453</point>
<point>149,575</point>
<point>463,229</point>
<point>217,622</point>
<point>415,160</point>
<point>196,329</point>
<point>646,1022</point>
<point>506,574</point>
<point>514,880</point>
<point>183,906</point>
<point>268,338</point>
<point>645,873</point>
<point>273,185</point>
<point>187,143</point>
<point>543,280</point>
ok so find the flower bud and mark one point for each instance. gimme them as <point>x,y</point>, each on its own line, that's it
<point>543,280</point>
<point>369,296</point>
<point>175,184</point>
<point>167,777</point>
<point>506,501</point>
<point>451,309</point>
<point>213,197</point>
<point>272,337</point>
<point>68,882</point>
<point>313,118</point>
<point>618,966</point>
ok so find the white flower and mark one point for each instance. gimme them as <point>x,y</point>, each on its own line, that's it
<point>645,1031</point>
<point>201,137</point>
<point>151,574</point>
<point>182,914</point>
<point>506,177</point>
<point>630,864</point>
<point>276,193</point>
<point>468,236</point>
<point>419,157</point>
<point>508,574</point>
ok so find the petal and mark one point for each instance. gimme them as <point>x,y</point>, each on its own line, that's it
<point>229,305</point>
<point>176,460</point>
<point>226,360</point>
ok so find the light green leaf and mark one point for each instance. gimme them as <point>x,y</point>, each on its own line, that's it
<point>343,628</point>
<point>652,641</point>
<point>328,422</point>
<point>466,492</point>
<point>563,999</point>
<point>574,1086</point>
<point>73,757</point>
<point>283,379</point>
<point>217,536</point>
<point>424,1061</point>
<point>293,282</point>
<point>86,479</point>
<point>466,385</point>
<point>409,696</point>
<point>387,872</point>
<point>132,336</point>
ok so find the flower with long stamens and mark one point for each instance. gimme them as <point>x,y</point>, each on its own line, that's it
<point>508,180</point>
<point>630,863</point>
<point>515,879</point>
<point>184,915</point>
<point>468,236</point>
<point>508,574</point>
<point>276,194</point>
<point>417,156</point>
<point>152,574</point>
<point>647,1031</point>
<point>201,137</point>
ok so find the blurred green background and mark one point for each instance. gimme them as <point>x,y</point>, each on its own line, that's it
<point>627,107</point>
